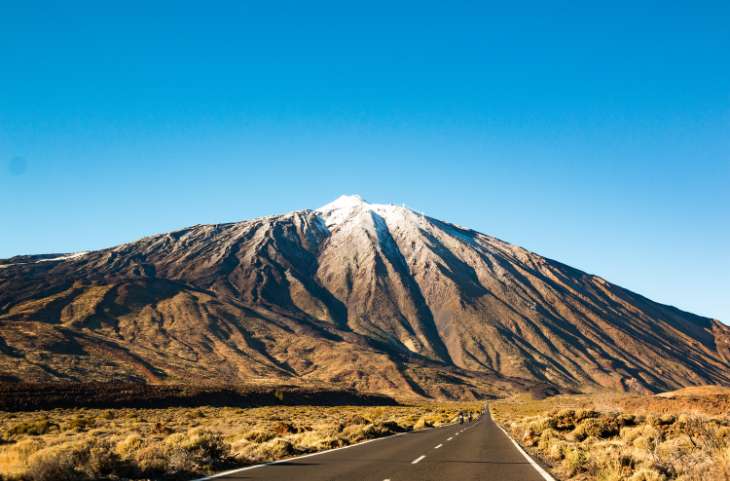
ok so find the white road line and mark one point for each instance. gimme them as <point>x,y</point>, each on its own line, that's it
<point>438,446</point>
<point>418,459</point>
<point>450,439</point>
<point>286,460</point>
<point>537,467</point>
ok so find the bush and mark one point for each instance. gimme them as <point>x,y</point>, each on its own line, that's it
<point>49,465</point>
<point>600,428</point>
<point>259,436</point>
<point>131,444</point>
<point>32,428</point>
<point>85,461</point>
<point>80,424</point>
<point>645,474</point>
<point>283,428</point>
<point>575,460</point>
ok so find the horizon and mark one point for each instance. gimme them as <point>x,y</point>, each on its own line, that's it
<point>594,136</point>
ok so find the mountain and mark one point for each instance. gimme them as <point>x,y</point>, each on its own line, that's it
<point>375,297</point>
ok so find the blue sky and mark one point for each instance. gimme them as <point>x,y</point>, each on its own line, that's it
<point>595,135</point>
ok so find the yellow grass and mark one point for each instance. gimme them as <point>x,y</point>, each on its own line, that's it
<point>613,437</point>
<point>179,443</point>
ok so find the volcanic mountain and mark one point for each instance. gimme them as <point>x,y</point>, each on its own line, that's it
<point>375,297</point>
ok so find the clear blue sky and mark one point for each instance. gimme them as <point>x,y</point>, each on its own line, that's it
<point>598,136</point>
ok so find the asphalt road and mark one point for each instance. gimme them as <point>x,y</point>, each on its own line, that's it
<point>462,452</point>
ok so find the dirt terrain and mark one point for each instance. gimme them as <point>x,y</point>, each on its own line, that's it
<point>377,298</point>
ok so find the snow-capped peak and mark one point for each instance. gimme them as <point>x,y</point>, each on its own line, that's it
<point>341,209</point>
<point>344,202</point>
<point>345,207</point>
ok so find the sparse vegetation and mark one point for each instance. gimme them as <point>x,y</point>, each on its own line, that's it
<point>611,437</point>
<point>181,443</point>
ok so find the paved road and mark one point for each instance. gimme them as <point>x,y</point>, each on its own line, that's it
<point>463,452</point>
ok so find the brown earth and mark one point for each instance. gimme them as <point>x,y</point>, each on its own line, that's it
<point>377,298</point>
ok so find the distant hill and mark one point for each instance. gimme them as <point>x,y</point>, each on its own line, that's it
<point>378,298</point>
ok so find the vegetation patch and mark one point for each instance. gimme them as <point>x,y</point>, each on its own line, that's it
<point>611,437</point>
<point>184,443</point>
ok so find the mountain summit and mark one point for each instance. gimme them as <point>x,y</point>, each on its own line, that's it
<point>372,296</point>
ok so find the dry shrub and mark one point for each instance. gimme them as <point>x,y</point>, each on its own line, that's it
<point>599,427</point>
<point>129,445</point>
<point>51,465</point>
<point>262,452</point>
<point>194,451</point>
<point>184,443</point>
<point>35,427</point>
<point>260,435</point>
<point>283,428</point>
<point>585,443</point>
<point>645,474</point>
<point>74,462</point>
<point>575,460</point>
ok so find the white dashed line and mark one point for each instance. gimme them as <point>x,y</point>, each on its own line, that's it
<point>288,460</point>
<point>450,439</point>
<point>438,446</point>
<point>418,459</point>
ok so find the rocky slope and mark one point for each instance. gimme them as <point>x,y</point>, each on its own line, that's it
<point>377,297</point>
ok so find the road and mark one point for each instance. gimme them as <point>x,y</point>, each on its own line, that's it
<point>477,451</point>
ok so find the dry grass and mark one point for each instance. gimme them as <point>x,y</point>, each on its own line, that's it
<point>86,444</point>
<point>611,437</point>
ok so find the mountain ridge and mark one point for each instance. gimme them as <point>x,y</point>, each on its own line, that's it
<point>371,296</point>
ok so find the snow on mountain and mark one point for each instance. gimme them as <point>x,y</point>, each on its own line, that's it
<point>372,296</point>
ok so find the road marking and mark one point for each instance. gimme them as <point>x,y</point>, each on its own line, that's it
<point>286,460</point>
<point>438,446</point>
<point>450,439</point>
<point>537,467</point>
<point>418,459</point>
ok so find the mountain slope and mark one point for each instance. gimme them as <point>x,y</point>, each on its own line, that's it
<point>373,296</point>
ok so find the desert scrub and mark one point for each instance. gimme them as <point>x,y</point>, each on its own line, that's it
<point>582,440</point>
<point>182,443</point>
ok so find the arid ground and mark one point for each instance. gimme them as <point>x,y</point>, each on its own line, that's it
<point>182,443</point>
<point>682,435</point>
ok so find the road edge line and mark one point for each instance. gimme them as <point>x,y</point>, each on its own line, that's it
<point>261,465</point>
<point>538,468</point>
<point>309,455</point>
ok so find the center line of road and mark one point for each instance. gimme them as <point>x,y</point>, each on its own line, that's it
<point>418,459</point>
<point>450,439</point>
<point>438,446</point>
